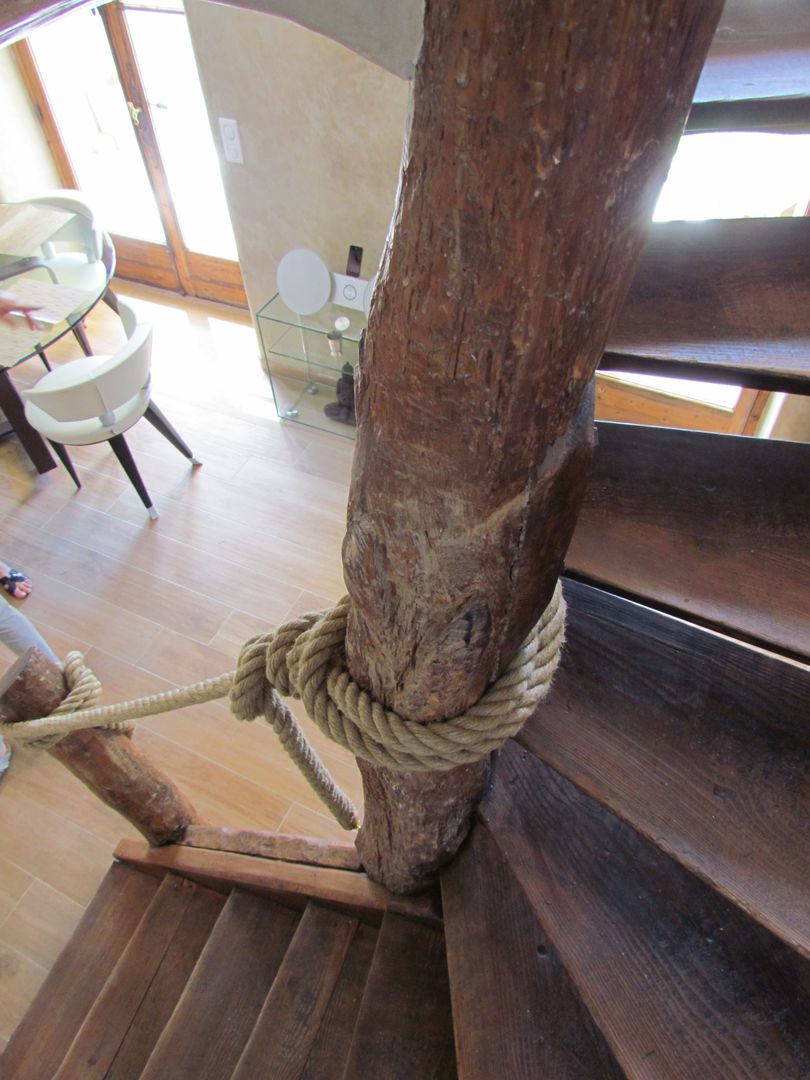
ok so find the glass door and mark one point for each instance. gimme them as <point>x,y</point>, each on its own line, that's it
<point>118,88</point>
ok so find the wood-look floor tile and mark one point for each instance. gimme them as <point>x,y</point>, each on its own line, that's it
<point>41,924</point>
<point>20,978</point>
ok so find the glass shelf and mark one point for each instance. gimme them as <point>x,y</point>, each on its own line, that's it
<point>311,364</point>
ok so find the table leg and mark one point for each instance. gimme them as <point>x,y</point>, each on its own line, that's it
<point>33,443</point>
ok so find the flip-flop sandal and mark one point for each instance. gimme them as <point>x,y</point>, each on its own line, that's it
<point>10,582</point>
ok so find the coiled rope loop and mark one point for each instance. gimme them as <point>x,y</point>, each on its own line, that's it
<point>305,659</point>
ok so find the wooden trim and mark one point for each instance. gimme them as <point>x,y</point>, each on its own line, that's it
<point>19,17</point>
<point>216,279</point>
<point>292,883</point>
<point>756,401</point>
<point>32,80</point>
<point>778,115</point>
<point>129,74</point>
<point>294,849</point>
<point>628,403</point>
<point>149,263</point>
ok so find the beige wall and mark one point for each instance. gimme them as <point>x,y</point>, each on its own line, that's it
<point>389,32</point>
<point>321,131</point>
<point>25,162</point>
<point>793,419</point>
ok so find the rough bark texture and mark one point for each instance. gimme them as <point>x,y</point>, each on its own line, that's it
<point>106,761</point>
<point>541,134</point>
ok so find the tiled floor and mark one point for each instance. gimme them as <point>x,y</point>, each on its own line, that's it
<point>242,543</point>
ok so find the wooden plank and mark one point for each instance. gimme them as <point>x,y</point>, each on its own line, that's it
<point>102,1032</point>
<point>20,17</point>
<point>699,742</point>
<point>726,301</point>
<point>502,967</point>
<point>295,849</point>
<point>404,1027</point>
<point>294,882</point>
<point>715,526</point>
<point>40,1042</point>
<point>215,1015</point>
<point>680,983</point>
<point>330,1050</point>
<point>761,50</point>
<point>288,1024</point>
<point>164,992</point>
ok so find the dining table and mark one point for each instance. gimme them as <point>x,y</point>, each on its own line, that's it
<point>26,275</point>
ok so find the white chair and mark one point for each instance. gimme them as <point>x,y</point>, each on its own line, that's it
<point>79,254</point>
<point>97,398</point>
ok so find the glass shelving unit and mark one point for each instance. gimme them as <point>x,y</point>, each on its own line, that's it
<point>311,360</point>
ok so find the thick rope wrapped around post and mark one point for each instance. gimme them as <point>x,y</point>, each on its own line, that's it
<point>305,659</point>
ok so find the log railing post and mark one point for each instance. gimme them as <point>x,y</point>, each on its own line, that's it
<point>108,762</point>
<point>541,133</point>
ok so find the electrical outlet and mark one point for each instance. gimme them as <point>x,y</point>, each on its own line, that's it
<point>231,146</point>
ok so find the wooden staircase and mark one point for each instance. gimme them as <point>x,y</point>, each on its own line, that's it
<point>634,898</point>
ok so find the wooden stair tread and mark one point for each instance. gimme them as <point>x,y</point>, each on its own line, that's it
<point>680,983</point>
<point>699,742</point>
<point>404,1029</point>
<point>726,301</point>
<point>288,1024</point>
<point>42,1038</point>
<point>760,51</point>
<point>503,969</point>
<point>113,1011</point>
<point>717,526</point>
<point>170,980</point>
<point>330,1050</point>
<point>219,1006</point>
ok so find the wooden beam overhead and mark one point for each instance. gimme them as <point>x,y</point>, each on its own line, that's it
<point>19,17</point>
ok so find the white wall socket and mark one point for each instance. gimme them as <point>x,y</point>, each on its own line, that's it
<point>231,146</point>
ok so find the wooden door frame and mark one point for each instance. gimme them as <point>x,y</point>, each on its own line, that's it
<point>170,266</point>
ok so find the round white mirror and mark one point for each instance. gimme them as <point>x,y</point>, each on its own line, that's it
<point>304,282</point>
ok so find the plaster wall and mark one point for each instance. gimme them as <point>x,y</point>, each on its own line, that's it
<point>321,131</point>
<point>388,32</point>
<point>793,421</point>
<point>26,166</point>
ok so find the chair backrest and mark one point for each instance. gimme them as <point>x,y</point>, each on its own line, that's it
<point>103,389</point>
<point>82,231</point>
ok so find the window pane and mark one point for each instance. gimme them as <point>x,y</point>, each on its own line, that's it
<point>77,68</point>
<point>736,175</point>
<point>169,73</point>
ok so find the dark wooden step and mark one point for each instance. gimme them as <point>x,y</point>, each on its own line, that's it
<point>113,1011</point>
<point>680,982</point>
<point>716,526</point>
<point>164,992</point>
<point>725,301</point>
<point>404,1030</point>
<point>288,1024</point>
<point>775,32</point>
<point>217,1011</point>
<point>330,1050</point>
<point>44,1035</point>
<point>700,743</point>
<point>515,1013</point>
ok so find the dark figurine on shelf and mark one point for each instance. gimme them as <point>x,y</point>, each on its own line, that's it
<point>343,409</point>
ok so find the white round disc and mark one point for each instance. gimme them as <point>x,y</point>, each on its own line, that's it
<point>304,282</point>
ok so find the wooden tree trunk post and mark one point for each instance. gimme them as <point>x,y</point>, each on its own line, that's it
<point>541,134</point>
<point>106,761</point>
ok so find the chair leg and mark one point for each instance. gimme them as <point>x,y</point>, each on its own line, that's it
<point>81,337</point>
<point>158,421</point>
<point>111,300</point>
<point>43,358</point>
<point>62,454</point>
<point>124,455</point>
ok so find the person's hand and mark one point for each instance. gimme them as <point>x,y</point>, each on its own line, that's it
<point>10,306</point>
